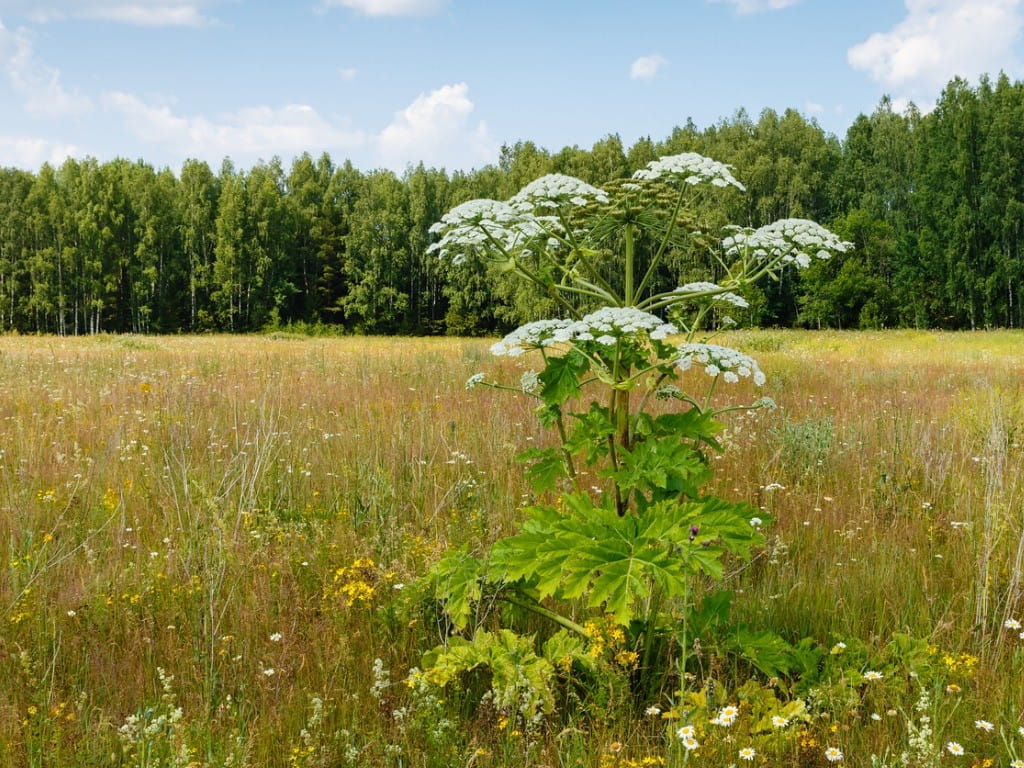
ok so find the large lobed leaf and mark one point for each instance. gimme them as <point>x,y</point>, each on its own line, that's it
<point>614,562</point>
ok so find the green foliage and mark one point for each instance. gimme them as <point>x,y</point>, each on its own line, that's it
<point>615,562</point>
<point>456,581</point>
<point>520,681</point>
<point>626,557</point>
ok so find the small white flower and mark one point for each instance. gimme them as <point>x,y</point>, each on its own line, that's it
<point>871,675</point>
<point>875,716</point>
<point>984,725</point>
<point>276,637</point>
<point>778,721</point>
<point>529,381</point>
<point>834,755</point>
<point>727,715</point>
<point>72,614</point>
<point>747,753</point>
<point>474,380</point>
<point>1011,624</point>
<point>652,711</point>
<point>954,748</point>
<point>686,732</point>
<point>690,743</point>
<point>269,671</point>
<point>757,522</point>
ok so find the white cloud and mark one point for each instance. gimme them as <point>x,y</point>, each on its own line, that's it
<point>245,135</point>
<point>436,129</point>
<point>36,82</point>
<point>646,67</point>
<point>29,153</point>
<point>941,39</point>
<point>389,7</point>
<point>143,13</point>
<point>756,6</point>
<point>813,108</point>
<point>348,73</point>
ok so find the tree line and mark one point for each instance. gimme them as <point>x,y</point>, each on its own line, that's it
<point>934,204</point>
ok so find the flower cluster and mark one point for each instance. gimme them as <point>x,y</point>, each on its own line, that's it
<point>487,225</point>
<point>791,241</point>
<point>554,191</point>
<point>691,168</point>
<point>717,360</point>
<point>535,335</point>
<point>605,326</point>
<point>711,291</point>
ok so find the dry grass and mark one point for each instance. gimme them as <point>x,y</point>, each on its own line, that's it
<point>179,502</point>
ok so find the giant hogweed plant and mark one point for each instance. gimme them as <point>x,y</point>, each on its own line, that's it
<point>625,381</point>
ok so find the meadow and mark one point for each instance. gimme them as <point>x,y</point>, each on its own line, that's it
<point>211,547</point>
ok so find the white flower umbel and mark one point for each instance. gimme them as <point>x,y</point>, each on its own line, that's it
<point>717,360</point>
<point>540,333</point>
<point>711,291</point>
<point>789,241</point>
<point>484,225</point>
<point>554,191</point>
<point>607,324</point>
<point>691,168</point>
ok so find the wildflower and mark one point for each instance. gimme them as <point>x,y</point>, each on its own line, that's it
<point>529,382</point>
<point>952,688</point>
<point>690,743</point>
<point>1018,763</point>
<point>834,755</point>
<point>615,746</point>
<point>871,675</point>
<point>778,721</point>
<point>747,753</point>
<point>1020,730</point>
<point>716,358</point>
<point>875,716</point>
<point>757,522</point>
<point>652,711</point>
<point>984,725</point>
<point>954,748</point>
<point>838,648</point>
<point>276,637</point>
<point>1011,624</point>
<point>474,380</point>
<point>727,715</point>
<point>269,672</point>
<point>686,732</point>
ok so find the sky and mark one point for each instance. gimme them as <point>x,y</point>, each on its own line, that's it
<point>388,83</point>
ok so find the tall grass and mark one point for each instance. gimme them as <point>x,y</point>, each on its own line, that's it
<point>226,526</point>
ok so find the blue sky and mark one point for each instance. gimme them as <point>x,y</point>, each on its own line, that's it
<point>390,82</point>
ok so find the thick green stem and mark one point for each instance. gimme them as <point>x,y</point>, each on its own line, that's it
<point>566,456</point>
<point>629,298</point>
<point>664,243</point>
<point>540,610</point>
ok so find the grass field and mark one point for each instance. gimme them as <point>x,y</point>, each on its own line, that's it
<point>208,544</point>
